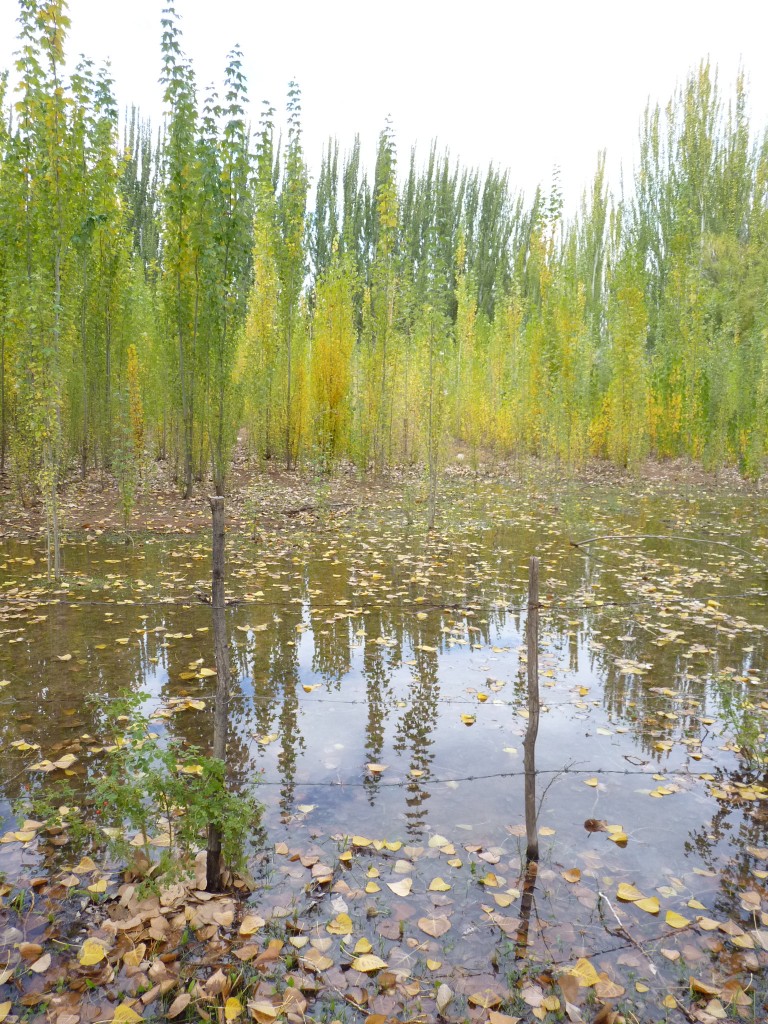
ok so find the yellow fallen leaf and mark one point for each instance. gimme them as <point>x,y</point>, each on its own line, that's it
<point>590,782</point>
<point>125,1015</point>
<point>340,925</point>
<point>206,673</point>
<point>650,905</point>
<point>5,1009</point>
<point>371,888</point>
<point>367,963</point>
<point>232,1008</point>
<point>585,973</point>
<point>251,924</point>
<point>434,965</point>
<point>628,893</point>
<point>438,885</point>
<point>91,953</point>
<point>190,769</point>
<point>618,837</point>
<point>550,1003</point>
<point>362,946</point>
<point>468,719</point>
<point>98,887</point>
<point>675,920</point>
<point>641,987</point>
<point>670,1002</point>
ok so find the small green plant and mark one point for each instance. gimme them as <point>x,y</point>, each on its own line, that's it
<point>167,792</point>
<point>154,787</point>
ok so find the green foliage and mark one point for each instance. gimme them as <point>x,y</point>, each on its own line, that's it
<point>161,785</point>
<point>631,329</point>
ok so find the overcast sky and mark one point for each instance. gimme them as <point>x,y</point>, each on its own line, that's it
<point>524,85</point>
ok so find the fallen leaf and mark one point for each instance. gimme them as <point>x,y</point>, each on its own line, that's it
<point>367,963</point>
<point>434,925</point>
<point>232,1008</point>
<point>91,953</point>
<point>125,1015</point>
<point>572,875</point>
<point>675,920</point>
<point>401,888</point>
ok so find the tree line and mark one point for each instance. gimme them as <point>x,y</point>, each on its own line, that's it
<point>163,291</point>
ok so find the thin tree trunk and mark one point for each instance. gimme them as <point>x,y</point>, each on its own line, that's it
<point>529,744</point>
<point>221,653</point>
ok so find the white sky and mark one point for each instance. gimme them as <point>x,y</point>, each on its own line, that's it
<point>525,85</point>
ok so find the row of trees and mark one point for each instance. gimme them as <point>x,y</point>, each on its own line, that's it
<point>158,294</point>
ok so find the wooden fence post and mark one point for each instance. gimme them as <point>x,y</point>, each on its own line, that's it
<point>221,654</point>
<point>529,744</point>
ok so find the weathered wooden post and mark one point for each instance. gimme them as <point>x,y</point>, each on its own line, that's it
<point>221,655</point>
<point>529,744</point>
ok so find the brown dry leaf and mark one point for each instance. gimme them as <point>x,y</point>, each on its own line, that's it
<point>316,961</point>
<point>41,966</point>
<point>217,983</point>
<point>30,950</point>
<point>179,1004</point>
<point>263,1012</point>
<point>533,995</point>
<point>434,925</point>
<point>248,951</point>
<point>572,875</point>
<point>703,988</point>
<point>486,999</point>
<point>594,825</point>
<point>367,963</point>
<point>494,1017</point>
<point>715,1009</point>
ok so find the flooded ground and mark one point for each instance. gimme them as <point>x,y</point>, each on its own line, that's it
<point>380,694</point>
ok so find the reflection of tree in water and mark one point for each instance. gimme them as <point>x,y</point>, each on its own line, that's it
<point>331,657</point>
<point>378,692</point>
<point>741,824</point>
<point>415,733</point>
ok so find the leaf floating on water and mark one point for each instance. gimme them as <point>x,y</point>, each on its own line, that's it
<point>468,719</point>
<point>487,999</point>
<point>435,925</point>
<point>675,920</point>
<point>340,925</point>
<point>628,893</point>
<point>585,973</point>
<point>5,1009</point>
<point>438,885</point>
<point>402,888</point>
<point>594,825</point>
<point>368,963</point>
<point>591,782</point>
<point>649,904</point>
<point>572,875</point>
